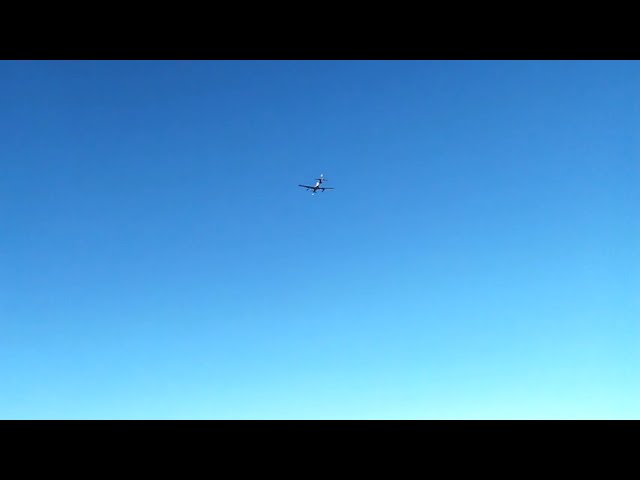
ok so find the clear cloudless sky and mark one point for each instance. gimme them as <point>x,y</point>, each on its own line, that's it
<point>478,258</point>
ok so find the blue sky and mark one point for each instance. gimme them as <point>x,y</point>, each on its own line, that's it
<point>478,257</point>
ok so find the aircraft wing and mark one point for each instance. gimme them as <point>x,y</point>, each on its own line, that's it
<point>326,188</point>
<point>306,186</point>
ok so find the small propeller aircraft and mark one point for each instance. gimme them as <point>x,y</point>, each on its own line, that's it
<point>317,186</point>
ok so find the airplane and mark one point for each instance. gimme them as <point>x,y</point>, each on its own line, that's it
<point>317,186</point>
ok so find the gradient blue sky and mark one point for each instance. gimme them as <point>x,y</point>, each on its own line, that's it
<point>478,257</point>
